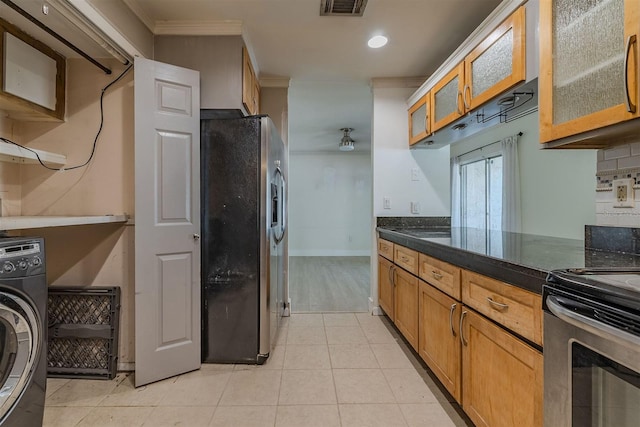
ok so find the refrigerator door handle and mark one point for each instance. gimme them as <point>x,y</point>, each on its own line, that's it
<point>281,207</point>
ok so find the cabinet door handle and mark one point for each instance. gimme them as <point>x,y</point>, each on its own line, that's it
<point>467,88</point>
<point>453,308</point>
<point>404,259</point>
<point>497,304</point>
<point>436,275</point>
<point>391,275</point>
<point>630,107</point>
<point>458,98</point>
<point>462,340</point>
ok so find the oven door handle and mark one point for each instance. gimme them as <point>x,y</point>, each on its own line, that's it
<point>590,325</point>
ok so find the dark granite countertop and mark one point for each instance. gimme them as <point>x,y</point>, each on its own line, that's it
<point>516,258</point>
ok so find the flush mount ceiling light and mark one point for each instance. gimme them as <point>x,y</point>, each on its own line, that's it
<point>346,143</point>
<point>377,41</point>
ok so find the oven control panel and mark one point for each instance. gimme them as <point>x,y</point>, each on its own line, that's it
<point>21,258</point>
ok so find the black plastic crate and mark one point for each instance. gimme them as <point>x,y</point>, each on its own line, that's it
<point>83,332</point>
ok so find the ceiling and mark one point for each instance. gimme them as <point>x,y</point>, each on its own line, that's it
<point>327,57</point>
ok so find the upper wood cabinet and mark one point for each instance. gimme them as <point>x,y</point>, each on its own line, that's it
<point>32,77</point>
<point>588,78</point>
<point>495,65</point>
<point>250,85</point>
<point>446,98</point>
<point>420,120</point>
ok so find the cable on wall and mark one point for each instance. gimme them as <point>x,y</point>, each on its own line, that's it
<point>95,140</point>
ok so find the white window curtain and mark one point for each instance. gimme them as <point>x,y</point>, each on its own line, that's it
<point>511,215</point>
<point>455,192</point>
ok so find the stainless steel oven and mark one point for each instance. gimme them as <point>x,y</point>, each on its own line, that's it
<point>592,348</point>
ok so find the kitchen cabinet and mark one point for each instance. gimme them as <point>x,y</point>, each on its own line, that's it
<point>32,77</point>
<point>588,79</point>
<point>502,376</point>
<point>420,120</point>
<point>406,305</point>
<point>515,308</point>
<point>439,341</point>
<point>385,248</point>
<point>495,65</point>
<point>479,336</point>
<point>385,286</point>
<point>441,275</point>
<point>250,85</point>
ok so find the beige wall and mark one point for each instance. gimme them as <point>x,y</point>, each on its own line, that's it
<point>274,103</point>
<point>94,254</point>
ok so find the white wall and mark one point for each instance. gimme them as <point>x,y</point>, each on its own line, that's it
<point>393,162</point>
<point>557,186</point>
<point>329,204</point>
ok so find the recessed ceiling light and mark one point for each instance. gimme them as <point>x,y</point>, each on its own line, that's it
<point>377,41</point>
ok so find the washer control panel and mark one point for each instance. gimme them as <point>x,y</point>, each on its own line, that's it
<point>19,258</point>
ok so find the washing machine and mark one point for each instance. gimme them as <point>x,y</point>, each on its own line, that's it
<point>23,340</point>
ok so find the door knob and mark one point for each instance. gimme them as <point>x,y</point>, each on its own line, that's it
<point>196,236</point>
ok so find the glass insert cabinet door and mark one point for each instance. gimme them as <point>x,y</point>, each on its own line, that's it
<point>498,63</point>
<point>446,98</point>
<point>588,65</point>
<point>419,120</point>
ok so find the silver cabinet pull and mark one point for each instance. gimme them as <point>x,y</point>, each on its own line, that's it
<point>465,89</point>
<point>462,340</point>
<point>497,304</point>
<point>630,107</point>
<point>436,275</point>
<point>391,275</point>
<point>458,98</point>
<point>196,236</point>
<point>453,308</point>
<point>404,259</point>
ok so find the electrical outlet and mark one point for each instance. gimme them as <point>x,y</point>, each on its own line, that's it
<point>623,193</point>
<point>415,207</point>
<point>386,203</point>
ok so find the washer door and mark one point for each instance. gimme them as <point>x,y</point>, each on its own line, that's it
<point>20,342</point>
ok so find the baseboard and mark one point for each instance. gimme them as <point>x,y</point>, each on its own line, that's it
<point>126,366</point>
<point>328,252</point>
<point>374,309</point>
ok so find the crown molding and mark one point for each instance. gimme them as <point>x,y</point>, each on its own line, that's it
<point>397,82</point>
<point>198,28</point>
<point>274,81</point>
<point>135,7</point>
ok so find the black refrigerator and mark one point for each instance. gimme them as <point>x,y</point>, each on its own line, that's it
<point>244,210</point>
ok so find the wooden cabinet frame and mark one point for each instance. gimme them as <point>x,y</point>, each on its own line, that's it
<point>23,109</point>
<point>386,286</point>
<point>426,101</point>
<point>250,85</point>
<point>516,23</point>
<point>616,114</point>
<point>458,72</point>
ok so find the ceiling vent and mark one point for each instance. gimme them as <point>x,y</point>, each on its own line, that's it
<point>342,7</point>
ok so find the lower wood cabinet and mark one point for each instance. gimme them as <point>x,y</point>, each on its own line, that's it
<point>502,376</point>
<point>439,340</point>
<point>406,305</point>
<point>385,286</point>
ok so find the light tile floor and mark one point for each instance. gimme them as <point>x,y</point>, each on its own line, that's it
<point>338,369</point>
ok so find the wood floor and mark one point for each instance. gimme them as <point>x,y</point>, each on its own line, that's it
<point>329,284</point>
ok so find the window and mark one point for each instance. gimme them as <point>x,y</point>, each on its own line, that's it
<point>481,193</point>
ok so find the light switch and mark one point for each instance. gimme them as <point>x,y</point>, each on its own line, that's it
<point>623,193</point>
<point>386,203</point>
<point>415,174</point>
<point>415,207</point>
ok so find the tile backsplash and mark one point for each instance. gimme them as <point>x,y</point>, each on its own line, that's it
<point>617,163</point>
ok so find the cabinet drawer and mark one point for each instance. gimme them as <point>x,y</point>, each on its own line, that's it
<point>385,248</point>
<point>441,275</point>
<point>406,258</point>
<point>512,307</point>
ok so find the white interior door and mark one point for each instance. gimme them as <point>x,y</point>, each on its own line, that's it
<point>167,220</point>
